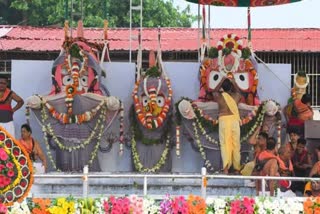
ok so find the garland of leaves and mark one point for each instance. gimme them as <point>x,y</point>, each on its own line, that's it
<point>136,158</point>
<point>47,130</point>
<point>201,149</point>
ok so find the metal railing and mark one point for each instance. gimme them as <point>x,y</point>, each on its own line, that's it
<point>203,177</point>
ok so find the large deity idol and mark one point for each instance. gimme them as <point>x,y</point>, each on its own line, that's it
<point>152,120</point>
<point>228,61</point>
<point>78,111</point>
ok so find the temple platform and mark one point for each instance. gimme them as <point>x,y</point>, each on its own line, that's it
<point>156,187</point>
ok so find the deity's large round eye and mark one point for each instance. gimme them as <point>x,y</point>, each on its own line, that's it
<point>145,100</point>
<point>214,79</point>
<point>160,101</point>
<point>242,80</point>
<point>67,80</point>
<point>84,81</point>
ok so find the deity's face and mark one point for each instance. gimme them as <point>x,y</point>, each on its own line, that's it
<point>75,77</point>
<point>152,97</point>
<point>229,61</point>
<point>77,68</point>
<point>152,104</point>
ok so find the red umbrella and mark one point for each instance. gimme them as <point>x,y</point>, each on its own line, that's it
<point>243,3</point>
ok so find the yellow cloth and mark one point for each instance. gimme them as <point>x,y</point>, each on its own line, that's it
<point>229,135</point>
<point>232,105</point>
<point>248,168</point>
<point>308,187</point>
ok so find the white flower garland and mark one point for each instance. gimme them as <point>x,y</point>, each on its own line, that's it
<point>47,129</point>
<point>136,158</point>
<point>201,149</point>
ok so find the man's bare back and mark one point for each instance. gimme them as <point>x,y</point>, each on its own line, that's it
<point>270,169</point>
<point>223,107</point>
<point>230,87</point>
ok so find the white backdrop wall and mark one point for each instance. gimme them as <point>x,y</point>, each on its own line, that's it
<point>34,77</point>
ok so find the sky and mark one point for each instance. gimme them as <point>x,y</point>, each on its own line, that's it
<point>304,14</point>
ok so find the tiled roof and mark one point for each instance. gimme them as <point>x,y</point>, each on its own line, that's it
<point>26,38</point>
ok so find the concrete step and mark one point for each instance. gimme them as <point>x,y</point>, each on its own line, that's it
<point>156,187</point>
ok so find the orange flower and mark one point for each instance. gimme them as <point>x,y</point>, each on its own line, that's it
<point>42,203</point>
<point>196,205</point>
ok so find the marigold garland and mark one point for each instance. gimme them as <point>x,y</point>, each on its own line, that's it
<point>158,121</point>
<point>66,118</point>
<point>47,129</point>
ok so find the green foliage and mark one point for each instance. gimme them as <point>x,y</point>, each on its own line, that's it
<point>153,72</point>
<point>302,73</point>
<point>246,53</point>
<point>213,53</point>
<point>75,52</point>
<point>226,51</point>
<point>156,13</point>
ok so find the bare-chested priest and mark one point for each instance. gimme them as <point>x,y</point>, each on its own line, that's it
<point>229,124</point>
<point>6,111</point>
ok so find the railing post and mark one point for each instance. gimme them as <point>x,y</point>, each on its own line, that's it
<point>263,187</point>
<point>145,187</point>
<point>203,182</point>
<point>85,181</point>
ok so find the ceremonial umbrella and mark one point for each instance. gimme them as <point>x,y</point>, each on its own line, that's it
<point>243,3</point>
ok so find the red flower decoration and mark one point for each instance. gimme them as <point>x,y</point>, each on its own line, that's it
<point>3,155</point>
<point>23,184</point>
<point>22,161</point>
<point>16,152</point>
<point>2,137</point>
<point>24,173</point>
<point>10,173</point>
<point>8,143</point>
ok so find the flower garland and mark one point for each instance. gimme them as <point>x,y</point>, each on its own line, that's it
<point>256,124</point>
<point>12,150</point>
<point>178,141</point>
<point>121,132</point>
<point>47,129</point>
<point>136,158</point>
<point>154,122</point>
<point>84,68</point>
<point>204,133</point>
<point>201,149</point>
<point>199,112</point>
<point>66,118</point>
